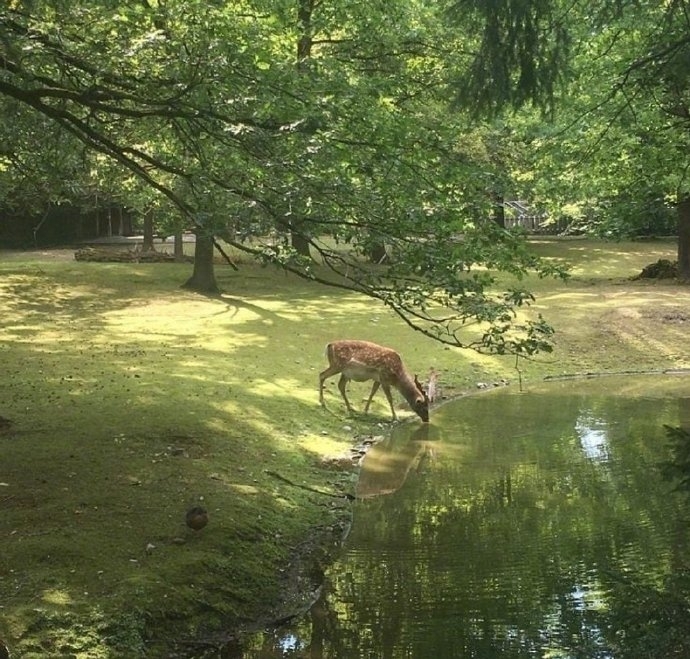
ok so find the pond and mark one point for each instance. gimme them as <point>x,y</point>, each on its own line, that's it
<point>515,524</point>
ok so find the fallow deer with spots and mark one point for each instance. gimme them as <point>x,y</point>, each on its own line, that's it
<point>361,361</point>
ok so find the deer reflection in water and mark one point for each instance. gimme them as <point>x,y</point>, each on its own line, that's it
<point>389,462</point>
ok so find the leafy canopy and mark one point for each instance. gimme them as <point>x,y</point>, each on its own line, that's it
<point>322,120</point>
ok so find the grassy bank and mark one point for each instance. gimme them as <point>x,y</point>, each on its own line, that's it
<point>127,400</point>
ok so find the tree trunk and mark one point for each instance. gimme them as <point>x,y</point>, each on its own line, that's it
<point>377,253</point>
<point>148,231</point>
<point>300,243</point>
<point>305,9</point>
<point>684,238</point>
<point>179,247</point>
<point>203,279</point>
<point>499,214</point>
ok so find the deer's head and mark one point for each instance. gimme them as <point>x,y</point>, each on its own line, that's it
<point>421,403</point>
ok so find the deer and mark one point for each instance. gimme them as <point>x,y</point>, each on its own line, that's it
<point>361,361</point>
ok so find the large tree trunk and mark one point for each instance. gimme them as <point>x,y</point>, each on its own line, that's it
<point>203,279</point>
<point>300,243</point>
<point>684,238</point>
<point>148,231</point>
<point>179,246</point>
<point>377,253</point>
<point>499,214</point>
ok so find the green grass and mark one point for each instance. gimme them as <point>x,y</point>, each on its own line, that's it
<point>131,400</point>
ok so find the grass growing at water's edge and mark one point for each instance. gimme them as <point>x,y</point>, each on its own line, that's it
<point>131,400</point>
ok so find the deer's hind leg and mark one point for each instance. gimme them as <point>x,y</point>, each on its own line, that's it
<point>323,376</point>
<point>342,383</point>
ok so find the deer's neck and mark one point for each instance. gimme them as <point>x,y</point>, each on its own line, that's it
<point>406,386</point>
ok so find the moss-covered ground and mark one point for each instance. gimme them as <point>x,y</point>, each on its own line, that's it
<point>125,400</point>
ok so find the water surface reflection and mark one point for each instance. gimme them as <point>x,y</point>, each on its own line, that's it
<point>505,528</point>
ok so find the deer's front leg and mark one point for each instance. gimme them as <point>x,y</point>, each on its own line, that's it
<point>374,389</point>
<point>387,391</point>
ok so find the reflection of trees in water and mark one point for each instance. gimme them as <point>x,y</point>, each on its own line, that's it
<point>507,538</point>
<point>521,537</point>
<point>677,468</point>
<point>651,620</point>
<point>656,616</point>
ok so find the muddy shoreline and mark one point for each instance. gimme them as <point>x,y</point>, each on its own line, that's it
<point>303,578</point>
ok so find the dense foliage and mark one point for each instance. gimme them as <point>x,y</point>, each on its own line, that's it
<point>315,120</point>
<point>612,153</point>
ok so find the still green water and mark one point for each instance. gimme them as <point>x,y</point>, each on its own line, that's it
<point>513,525</point>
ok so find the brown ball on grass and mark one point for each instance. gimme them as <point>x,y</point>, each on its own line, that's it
<point>196,518</point>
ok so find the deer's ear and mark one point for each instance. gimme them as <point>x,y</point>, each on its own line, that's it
<point>431,385</point>
<point>422,391</point>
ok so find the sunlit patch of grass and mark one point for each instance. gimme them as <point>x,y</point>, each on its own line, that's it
<point>598,259</point>
<point>56,597</point>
